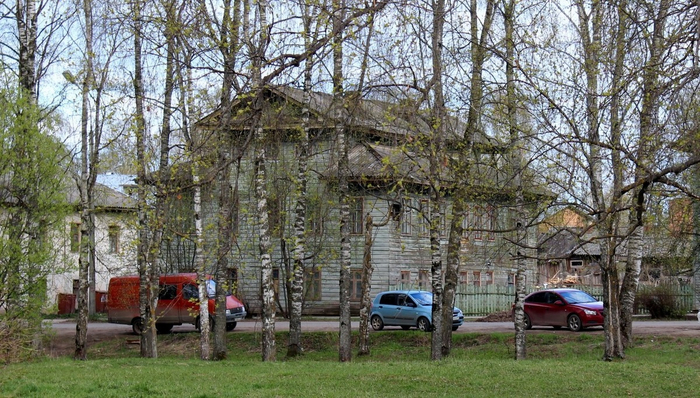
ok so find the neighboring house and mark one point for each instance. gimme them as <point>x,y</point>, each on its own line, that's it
<point>567,252</point>
<point>387,181</point>
<point>115,220</point>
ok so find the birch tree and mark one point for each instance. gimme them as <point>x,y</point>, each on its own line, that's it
<point>478,50</point>
<point>194,153</point>
<point>339,115</point>
<point>516,170</point>
<point>26,15</point>
<point>37,43</point>
<point>294,346</point>
<point>85,188</point>
<point>148,275</point>
<point>229,46</point>
<point>367,265</point>
<point>442,299</point>
<point>257,50</point>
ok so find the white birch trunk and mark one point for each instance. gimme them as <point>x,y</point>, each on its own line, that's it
<point>27,34</point>
<point>294,347</point>
<point>630,283</point>
<point>516,164</point>
<point>204,326</point>
<point>269,310</point>
<point>269,350</point>
<point>366,300</point>
<point>339,113</point>
<point>86,224</point>
<point>147,291</point>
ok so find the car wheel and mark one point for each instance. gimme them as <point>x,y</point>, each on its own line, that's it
<point>137,325</point>
<point>377,323</point>
<point>423,324</point>
<point>230,326</point>
<point>405,327</point>
<point>574,323</point>
<point>528,323</point>
<point>164,327</point>
<point>454,328</point>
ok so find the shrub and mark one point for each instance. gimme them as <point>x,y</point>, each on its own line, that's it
<point>661,302</point>
<point>20,339</point>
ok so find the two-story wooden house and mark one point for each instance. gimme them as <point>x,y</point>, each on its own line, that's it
<point>388,180</point>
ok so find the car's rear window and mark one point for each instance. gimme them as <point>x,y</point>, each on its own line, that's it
<point>389,299</point>
<point>537,298</point>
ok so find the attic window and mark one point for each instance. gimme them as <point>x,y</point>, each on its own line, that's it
<point>576,263</point>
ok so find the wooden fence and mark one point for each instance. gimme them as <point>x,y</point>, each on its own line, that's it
<point>484,300</point>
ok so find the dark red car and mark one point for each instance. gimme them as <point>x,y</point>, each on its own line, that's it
<point>572,308</point>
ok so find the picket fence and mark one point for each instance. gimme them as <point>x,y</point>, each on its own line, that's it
<point>484,300</point>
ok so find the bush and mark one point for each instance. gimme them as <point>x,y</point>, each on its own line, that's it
<point>661,302</point>
<point>20,339</point>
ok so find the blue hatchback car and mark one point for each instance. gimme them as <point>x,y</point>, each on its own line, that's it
<point>407,308</point>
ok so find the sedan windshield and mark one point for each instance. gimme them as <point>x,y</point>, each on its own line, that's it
<point>423,298</point>
<point>577,297</point>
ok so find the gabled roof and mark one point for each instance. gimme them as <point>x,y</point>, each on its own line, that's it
<point>567,243</point>
<point>105,198</point>
<point>371,116</point>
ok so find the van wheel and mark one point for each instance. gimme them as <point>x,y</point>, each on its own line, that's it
<point>137,325</point>
<point>230,326</point>
<point>164,327</point>
<point>199,326</point>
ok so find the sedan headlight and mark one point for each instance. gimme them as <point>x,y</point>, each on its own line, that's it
<point>590,312</point>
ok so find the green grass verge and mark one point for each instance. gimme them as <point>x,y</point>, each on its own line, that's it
<point>481,365</point>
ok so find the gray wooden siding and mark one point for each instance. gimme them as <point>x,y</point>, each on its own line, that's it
<point>392,252</point>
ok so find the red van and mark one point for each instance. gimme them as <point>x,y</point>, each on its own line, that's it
<point>178,302</point>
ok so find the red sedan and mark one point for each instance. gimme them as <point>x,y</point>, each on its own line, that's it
<point>572,308</point>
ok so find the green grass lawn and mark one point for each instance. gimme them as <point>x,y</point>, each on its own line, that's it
<point>563,365</point>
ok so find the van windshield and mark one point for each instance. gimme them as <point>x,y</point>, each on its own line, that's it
<point>211,288</point>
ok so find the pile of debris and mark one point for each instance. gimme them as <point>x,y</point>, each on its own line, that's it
<point>503,316</point>
<point>566,281</point>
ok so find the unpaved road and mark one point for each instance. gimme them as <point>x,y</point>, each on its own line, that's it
<point>63,341</point>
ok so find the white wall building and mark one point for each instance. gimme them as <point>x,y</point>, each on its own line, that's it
<point>115,237</point>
